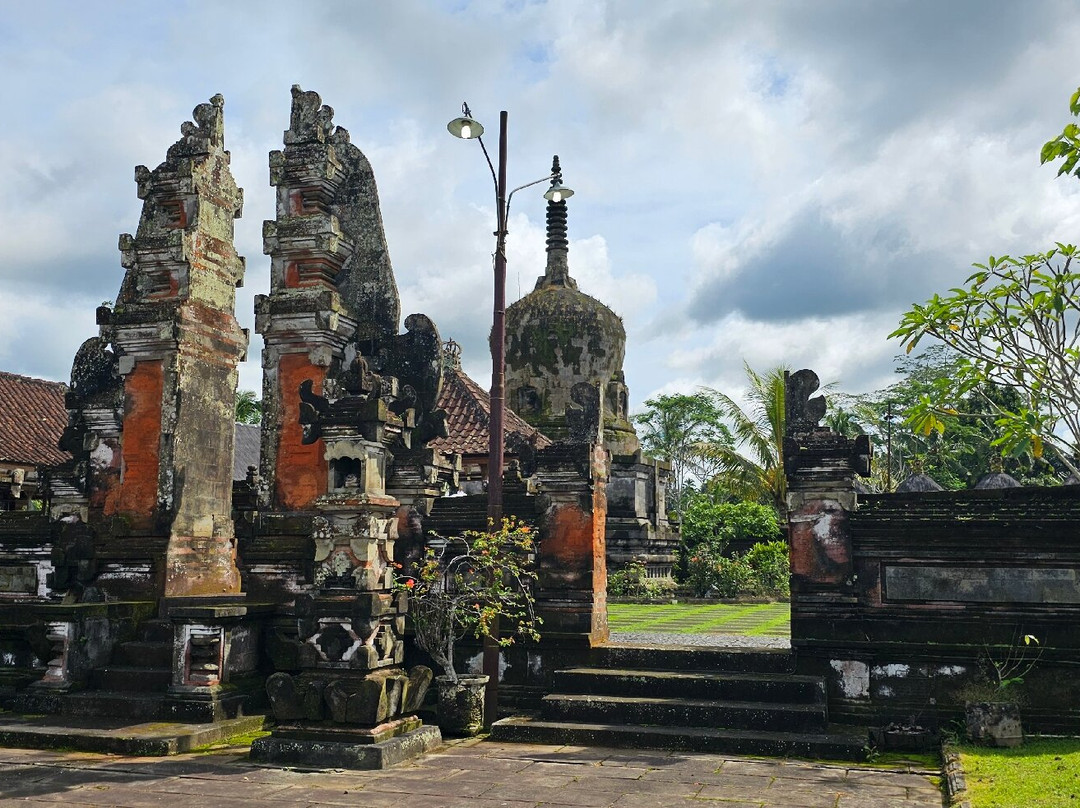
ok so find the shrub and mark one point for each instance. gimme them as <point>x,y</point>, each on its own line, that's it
<point>771,568</point>
<point>710,574</point>
<point>704,521</point>
<point>762,571</point>
<point>633,581</point>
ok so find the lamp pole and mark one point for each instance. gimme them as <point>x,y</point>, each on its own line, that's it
<point>496,438</point>
<point>468,128</point>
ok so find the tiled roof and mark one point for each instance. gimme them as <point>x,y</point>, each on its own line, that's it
<point>32,417</point>
<point>247,449</point>
<point>468,413</point>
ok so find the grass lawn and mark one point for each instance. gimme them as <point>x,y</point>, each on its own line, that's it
<point>1043,773</point>
<point>751,619</point>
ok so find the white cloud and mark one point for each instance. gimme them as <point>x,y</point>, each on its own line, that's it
<point>759,181</point>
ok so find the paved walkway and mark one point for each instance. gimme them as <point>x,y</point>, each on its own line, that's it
<point>469,774</point>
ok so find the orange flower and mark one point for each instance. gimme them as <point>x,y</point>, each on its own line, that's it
<point>525,529</point>
<point>410,583</point>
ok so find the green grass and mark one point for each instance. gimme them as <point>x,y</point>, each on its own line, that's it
<point>1043,773</point>
<point>751,619</point>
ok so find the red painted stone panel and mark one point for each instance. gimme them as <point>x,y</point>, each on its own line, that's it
<point>301,470</point>
<point>141,442</point>
<point>820,543</point>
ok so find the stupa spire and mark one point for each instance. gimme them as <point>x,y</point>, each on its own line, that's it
<point>557,272</point>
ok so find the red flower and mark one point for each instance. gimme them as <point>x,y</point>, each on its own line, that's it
<point>410,583</point>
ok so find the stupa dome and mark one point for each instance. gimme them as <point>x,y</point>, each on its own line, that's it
<point>558,336</point>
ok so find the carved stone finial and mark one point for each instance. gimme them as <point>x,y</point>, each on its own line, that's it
<point>451,355</point>
<point>311,120</point>
<point>201,136</point>
<point>802,413</point>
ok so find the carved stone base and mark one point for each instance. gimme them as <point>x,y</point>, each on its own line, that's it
<point>347,748</point>
<point>200,567</point>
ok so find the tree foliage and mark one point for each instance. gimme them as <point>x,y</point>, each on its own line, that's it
<point>1066,146</point>
<point>717,524</point>
<point>248,407</point>
<point>468,585</point>
<point>1016,325</point>
<point>674,427</point>
<point>957,455</point>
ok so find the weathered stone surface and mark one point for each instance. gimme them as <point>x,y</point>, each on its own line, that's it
<point>370,704</point>
<point>420,677</point>
<point>983,584</point>
<point>558,337</point>
<point>151,403</point>
<point>284,697</point>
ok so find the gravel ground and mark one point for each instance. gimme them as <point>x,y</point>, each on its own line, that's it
<point>655,638</point>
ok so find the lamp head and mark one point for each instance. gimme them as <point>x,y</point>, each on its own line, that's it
<point>465,127</point>
<point>558,192</point>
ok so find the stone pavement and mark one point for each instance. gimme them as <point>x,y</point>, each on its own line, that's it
<point>467,774</point>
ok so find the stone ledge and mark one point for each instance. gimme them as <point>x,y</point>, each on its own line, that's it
<point>319,755</point>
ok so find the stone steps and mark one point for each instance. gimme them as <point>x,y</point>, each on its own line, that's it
<point>657,711</point>
<point>836,743</point>
<point>720,700</point>
<point>694,658</point>
<point>774,687</point>
<point>118,737</point>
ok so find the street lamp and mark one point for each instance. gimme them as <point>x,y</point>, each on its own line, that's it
<point>467,128</point>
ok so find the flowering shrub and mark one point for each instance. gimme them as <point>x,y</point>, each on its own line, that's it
<point>468,585</point>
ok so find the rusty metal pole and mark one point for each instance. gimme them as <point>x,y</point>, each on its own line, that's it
<point>498,404</point>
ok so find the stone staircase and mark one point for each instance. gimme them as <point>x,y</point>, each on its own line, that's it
<point>737,701</point>
<point>134,683</point>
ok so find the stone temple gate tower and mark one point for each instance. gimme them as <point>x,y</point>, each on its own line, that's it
<point>151,400</point>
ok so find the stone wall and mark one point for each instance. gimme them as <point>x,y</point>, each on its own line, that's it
<point>902,600</point>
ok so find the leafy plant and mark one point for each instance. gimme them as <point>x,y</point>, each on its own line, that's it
<point>248,407</point>
<point>633,581</point>
<point>1005,669</point>
<point>752,468</point>
<point>1019,659</point>
<point>762,570</point>
<point>468,586</point>
<point>1065,146</point>
<point>772,569</point>
<point>717,524</point>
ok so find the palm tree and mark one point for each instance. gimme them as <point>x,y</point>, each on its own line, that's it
<point>248,407</point>
<point>753,468</point>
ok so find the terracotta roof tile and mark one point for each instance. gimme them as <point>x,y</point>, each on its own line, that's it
<point>468,413</point>
<point>32,417</point>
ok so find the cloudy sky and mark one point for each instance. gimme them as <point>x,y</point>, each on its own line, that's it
<point>768,182</point>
